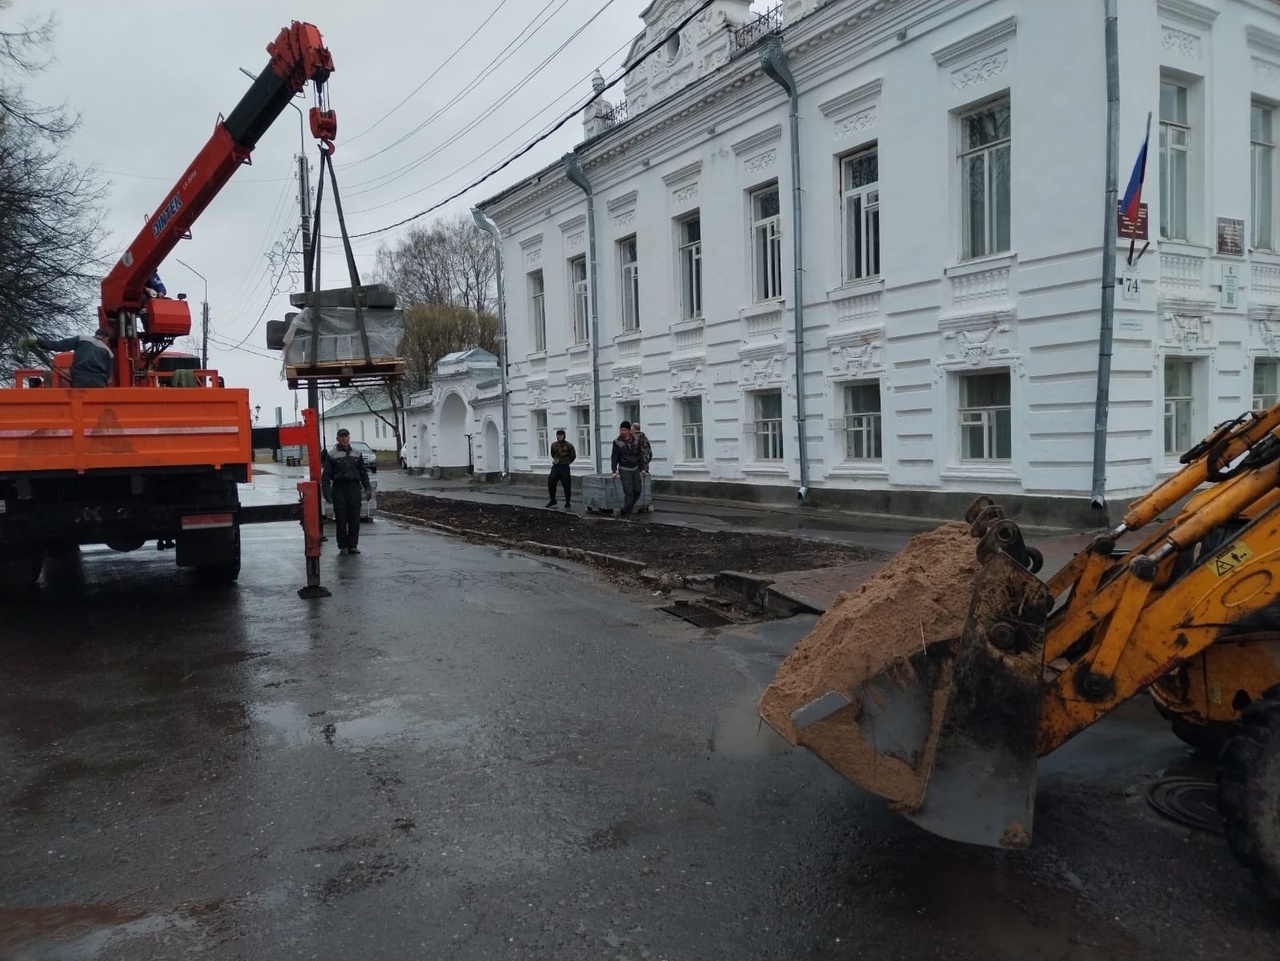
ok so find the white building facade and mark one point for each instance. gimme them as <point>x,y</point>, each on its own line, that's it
<point>952,170</point>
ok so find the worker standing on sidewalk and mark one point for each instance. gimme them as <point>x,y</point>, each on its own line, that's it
<point>627,461</point>
<point>344,481</point>
<point>562,455</point>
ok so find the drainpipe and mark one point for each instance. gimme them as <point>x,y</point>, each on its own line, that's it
<point>774,62</point>
<point>1102,403</point>
<point>573,170</point>
<point>485,224</point>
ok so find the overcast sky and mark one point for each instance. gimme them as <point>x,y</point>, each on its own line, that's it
<point>149,79</point>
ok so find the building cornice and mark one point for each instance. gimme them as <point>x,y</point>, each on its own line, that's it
<point>965,48</point>
<point>681,174</point>
<point>763,138</point>
<point>849,102</point>
<point>1262,40</point>
<point>1187,11</point>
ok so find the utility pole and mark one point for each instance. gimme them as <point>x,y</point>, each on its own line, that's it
<point>204,316</point>
<point>308,259</point>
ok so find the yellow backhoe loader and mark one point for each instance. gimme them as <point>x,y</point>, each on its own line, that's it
<point>946,718</point>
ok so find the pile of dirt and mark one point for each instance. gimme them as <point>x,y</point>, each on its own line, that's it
<point>663,547</point>
<point>920,597</point>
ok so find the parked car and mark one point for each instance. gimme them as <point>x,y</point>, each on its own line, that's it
<point>367,454</point>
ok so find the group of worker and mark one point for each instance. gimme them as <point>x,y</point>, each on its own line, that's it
<point>92,357</point>
<point>629,458</point>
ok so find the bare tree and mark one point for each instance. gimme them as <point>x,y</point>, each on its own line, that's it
<point>450,262</point>
<point>432,332</point>
<point>50,209</point>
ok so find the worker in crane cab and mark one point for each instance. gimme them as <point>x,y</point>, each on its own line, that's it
<point>343,481</point>
<point>91,359</point>
<point>155,287</point>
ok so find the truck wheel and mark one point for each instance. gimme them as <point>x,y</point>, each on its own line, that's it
<point>1249,790</point>
<point>21,570</point>
<point>226,569</point>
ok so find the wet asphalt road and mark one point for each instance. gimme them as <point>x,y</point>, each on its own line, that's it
<point>471,753</point>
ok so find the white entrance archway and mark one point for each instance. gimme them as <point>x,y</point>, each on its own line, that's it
<point>492,448</point>
<point>452,437</point>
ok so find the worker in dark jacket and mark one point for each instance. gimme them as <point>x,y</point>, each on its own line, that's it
<point>343,481</point>
<point>91,360</point>
<point>627,461</point>
<point>562,455</point>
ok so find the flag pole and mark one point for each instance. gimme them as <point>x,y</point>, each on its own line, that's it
<point>1102,402</point>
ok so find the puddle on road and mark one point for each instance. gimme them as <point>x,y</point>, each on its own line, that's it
<point>379,723</point>
<point>739,730</point>
<point>82,932</point>
<point>996,914</point>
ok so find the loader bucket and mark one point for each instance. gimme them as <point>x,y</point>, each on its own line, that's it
<point>924,685</point>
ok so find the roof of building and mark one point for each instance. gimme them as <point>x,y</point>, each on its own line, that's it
<point>362,402</point>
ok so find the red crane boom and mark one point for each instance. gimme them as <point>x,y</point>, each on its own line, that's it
<point>298,55</point>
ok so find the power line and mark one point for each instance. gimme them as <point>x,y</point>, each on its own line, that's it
<point>541,137</point>
<point>473,83</point>
<point>491,148</point>
<point>431,76</point>
<point>488,112</point>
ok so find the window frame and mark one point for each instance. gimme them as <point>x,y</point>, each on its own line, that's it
<point>541,433</point>
<point>988,419</point>
<point>538,308</point>
<point>1170,421</point>
<point>1263,234</point>
<point>580,300</point>
<point>770,440</point>
<point>629,283</point>
<point>1170,187</point>
<point>582,429</point>
<point>867,198</point>
<point>1267,395</point>
<point>689,254</point>
<point>866,425</point>
<point>766,238</point>
<point>692,433</point>
<point>989,153</point>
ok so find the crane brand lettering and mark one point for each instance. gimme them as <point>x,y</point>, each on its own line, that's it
<point>162,221</point>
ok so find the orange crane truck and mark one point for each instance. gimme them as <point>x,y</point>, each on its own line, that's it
<point>143,459</point>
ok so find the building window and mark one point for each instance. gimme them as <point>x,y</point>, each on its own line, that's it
<point>540,432</point>
<point>578,285</point>
<point>862,421</point>
<point>691,268</point>
<point>691,428</point>
<point>860,201</point>
<point>1179,409</point>
<point>1262,150</point>
<point>630,282</point>
<point>768,424</point>
<point>986,420</point>
<point>1266,384</point>
<point>630,412</point>
<point>538,310</point>
<point>582,430</point>
<point>985,143</point>
<point>766,243</point>
<point>1175,145</point>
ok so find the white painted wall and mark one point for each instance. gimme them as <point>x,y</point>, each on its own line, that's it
<point>930,318</point>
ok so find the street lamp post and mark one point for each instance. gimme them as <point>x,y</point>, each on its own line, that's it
<point>204,316</point>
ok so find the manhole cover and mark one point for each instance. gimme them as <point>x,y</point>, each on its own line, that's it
<point>1188,801</point>
<point>697,615</point>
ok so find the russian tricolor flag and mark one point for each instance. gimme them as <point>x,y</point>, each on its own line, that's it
<point>1133,193</point>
